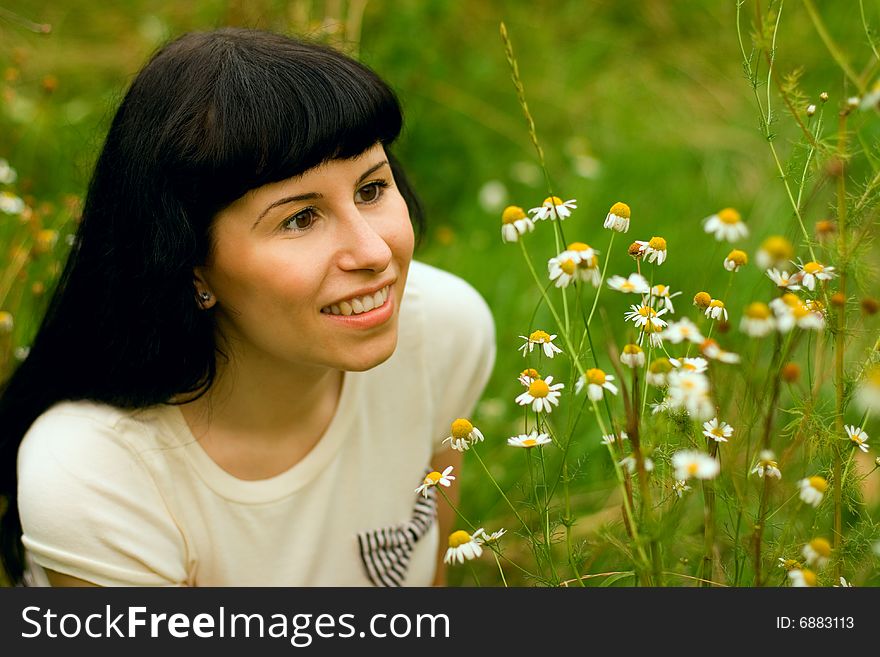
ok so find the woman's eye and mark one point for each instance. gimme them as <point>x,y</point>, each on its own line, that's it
<point>300,221</point>
<point>371,192</point>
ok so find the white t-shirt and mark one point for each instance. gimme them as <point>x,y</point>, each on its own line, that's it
<point>130,498</point>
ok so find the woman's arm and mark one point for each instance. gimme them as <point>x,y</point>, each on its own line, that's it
<point>445,515</point>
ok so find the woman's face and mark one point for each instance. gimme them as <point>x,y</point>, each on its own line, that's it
<point>288,255</point>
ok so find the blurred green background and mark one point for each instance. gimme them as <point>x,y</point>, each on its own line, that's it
<point>643,102</point>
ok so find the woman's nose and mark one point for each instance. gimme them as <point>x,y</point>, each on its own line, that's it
<point>362,244</point>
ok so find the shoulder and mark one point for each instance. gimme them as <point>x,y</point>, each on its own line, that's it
<point>448,303</point>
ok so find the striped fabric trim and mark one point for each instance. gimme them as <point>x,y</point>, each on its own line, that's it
<point>386,552</point>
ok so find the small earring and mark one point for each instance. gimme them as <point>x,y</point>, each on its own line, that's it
<point>205,296</point>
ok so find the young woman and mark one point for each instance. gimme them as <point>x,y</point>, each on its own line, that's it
<point>242,376</point>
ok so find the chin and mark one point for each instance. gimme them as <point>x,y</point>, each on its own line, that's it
<point>368,358</point>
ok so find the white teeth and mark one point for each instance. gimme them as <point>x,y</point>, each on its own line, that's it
<point>358,305</point>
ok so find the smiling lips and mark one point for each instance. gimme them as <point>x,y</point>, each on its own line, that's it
<point>358,305</point>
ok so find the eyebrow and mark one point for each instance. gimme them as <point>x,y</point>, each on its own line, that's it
<point>315,195</point>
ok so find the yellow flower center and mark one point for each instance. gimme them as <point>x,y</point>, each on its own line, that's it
<point>800,311</point>
<point>729,216</point>
<point>821,546</point>
<point>539,336</point>
<point>531,372</point>
<point>739,258</point>
<point>647,311</point>
<point>707,344</point>
<point>813,268</point>
<point>758,310</point>
<point>777,247</point>
<point>660,290</point>
<point>809,577</point>
<point>461,428</point>
<point>815,305</point>
<point>873,376</point>
<point>657,243</point>
<point>632,349</point>
<point>595,376</point>
<point>620,209</point>
<point>692,468</point>
<point>539,388</point>
<point>818,483</point>
<point>459,538</point>
<point>702,299</point>
<point>791,299</point>
<point>791,564</point>
<point>551,201</point>
<point>627,286</point>
<point>661,366</point>
<point>433,478</point>
<point>717,431</point>
<point>511,214</point>
<point>529,442</point>
<point>690,367</point>
<point>715,303</point>
<point>568,266</point>
<point>578,246</point>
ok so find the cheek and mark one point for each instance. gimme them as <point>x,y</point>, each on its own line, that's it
<point>398,231</point>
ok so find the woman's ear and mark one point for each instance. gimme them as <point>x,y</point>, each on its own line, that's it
<point>204,296</point>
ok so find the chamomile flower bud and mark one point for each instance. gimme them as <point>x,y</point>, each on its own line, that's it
<point>617,218</point>
<point>632,356</point>
<point>858,436</point>
<point>735,259</point>
<point>554,207</point>
<point>823,96</point>
<point>813,489</point>
<point>811,109</point>
<point>825,229</point>
<point>817,552</point>
<point>635,250</point>
<point>515,222</point>
<point>790,372</point>
<point>775,251</point>
<point>702,300</point>
<point>726,225</point>
<point>869,305</point>
<point>757,320</point>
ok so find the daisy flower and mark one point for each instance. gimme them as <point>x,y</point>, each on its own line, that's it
<point>697,364</point>
<point>7,173</point>
<point>690,391</point>
<point>680,487</point>
<point>817,552</point>
<point>632,356</point>
<point>735,259</point>
<point>580,252</point>
<point>542,338</point>
<point>664,295</point>
<point>644,315</point>
<point>802,577</point>
<point>515,222</point>
<point>634,284</point>
<point>813,489</point>
<point>813,271</point>
<point>690,463</point>
<point>683,329</point>
<point>783,279</point>
<point>464,434</point>
<point>868,391</point>
<point>436,479</point>
<point>618,217</point>
<point>595,380</point>
<point>843,583</point>
<point>658,371</point>
<point>527,376</point>
<point>554,207</point>
<point>653,249</point>
<point>629,463</point>
<point>541,395</point>
<point>858,436</point>
<point>10,203</point>
<point>463,546</point>
<point>727,225</point>
<point>562,269</point>
<point>610,438</point>
<point>775,251</point>
<point>533,439</point>
<point>788,564</point>
<point>710,349</point>
<point>757,320</point>
<point>717,430</point>
<point>767,465</point>
<point>716,309</point>
<point>487,539</point>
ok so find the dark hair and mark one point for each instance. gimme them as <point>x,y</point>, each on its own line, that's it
<point>211,116</point>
